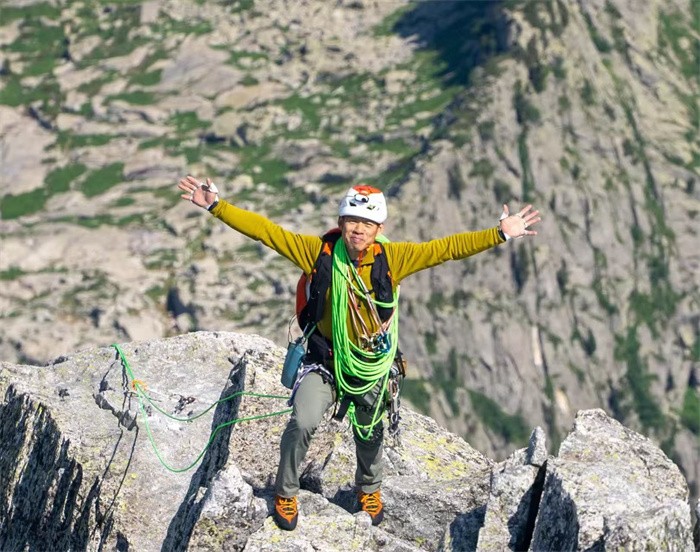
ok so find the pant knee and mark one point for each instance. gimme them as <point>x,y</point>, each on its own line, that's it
<point>306,421</point>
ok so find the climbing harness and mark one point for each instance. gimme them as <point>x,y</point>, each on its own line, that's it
<point>305,370</point>
<point>140,389</point>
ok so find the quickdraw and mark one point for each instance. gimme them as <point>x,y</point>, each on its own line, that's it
<point>396,375</point>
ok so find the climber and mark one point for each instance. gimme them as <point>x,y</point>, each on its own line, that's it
<point>349,361</point>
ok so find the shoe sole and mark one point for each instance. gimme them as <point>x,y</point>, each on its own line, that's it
<point>284,524</point>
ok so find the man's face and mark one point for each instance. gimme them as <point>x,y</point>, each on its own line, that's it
<point>358,234</point>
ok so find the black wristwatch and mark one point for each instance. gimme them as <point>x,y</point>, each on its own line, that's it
<point>211,207</point>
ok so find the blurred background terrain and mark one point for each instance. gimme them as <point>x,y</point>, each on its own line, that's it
<point>586,108</point>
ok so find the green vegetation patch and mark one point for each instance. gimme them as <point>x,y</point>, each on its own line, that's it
<point>639,380</point>
<point>309,110</point>
<point>588,94</point>
<point>103,220</point>
<point>166,25</point>
<point>124,202</point>
<point>511,426</point>
<point>398,146</point>
<point>558,68</point>
<point>525,110</point>
<point>428,93</point>
<point>397,172</point>
<point>11,273</point>
<point>236,57</point>
<point>13,94</point>
<point>47,93</point>
<point>482,168</point>
<point>32,11</point>
<point>163,258</point>
<point>103,179</point>
<point>150,78</point>
<point>601,43</point>
<point>690,412</point>
<point>416,392</point>
<point>113,23</point>
<point>91,88</point>
<point>292,198</point>
<point>237,6</point>
<point>674,33</point>
<point>259,160</point>
<point>15,206</point>
<point>187,121</point>
<point>387,26</point>
<point>695,351</point>
<point>67,140</point>
<point>430,340</point>
<point>40,45</point>
<point>545,15</point>
<point>501,191</point>
<point>59,180</point>
<point>655,307</point>
<point>135,97</point>
<point>157,294</point>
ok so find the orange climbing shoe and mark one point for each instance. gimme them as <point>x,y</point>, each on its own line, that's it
<point>286,512</point>
<point>372,504</point>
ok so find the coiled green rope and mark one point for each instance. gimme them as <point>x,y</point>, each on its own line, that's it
<point>144,397</point>
<point>376,369</point>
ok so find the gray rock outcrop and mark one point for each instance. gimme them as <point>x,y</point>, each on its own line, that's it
<point>78,471</point>
<point>609,488</point>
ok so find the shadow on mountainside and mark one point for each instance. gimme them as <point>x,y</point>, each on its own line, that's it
<point>461,36</point>
<point>183,523</point>
<point>521,524</point>
<point>464,34</point>
<point>464,530</point>
<point>557,527</point>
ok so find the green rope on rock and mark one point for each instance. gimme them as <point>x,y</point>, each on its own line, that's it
<point>348,358</point>
<point>143,398</point>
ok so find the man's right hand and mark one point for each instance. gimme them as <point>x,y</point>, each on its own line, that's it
<point>202,195</point>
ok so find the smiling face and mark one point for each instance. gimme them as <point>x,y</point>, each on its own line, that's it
<point>358,234</point>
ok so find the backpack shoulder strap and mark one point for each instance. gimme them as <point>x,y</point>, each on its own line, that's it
<point>382,284</point>
<point>321,277</point>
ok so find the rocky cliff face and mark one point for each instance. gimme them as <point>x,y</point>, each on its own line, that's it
<point>588,109</point>
<point>79,473</point>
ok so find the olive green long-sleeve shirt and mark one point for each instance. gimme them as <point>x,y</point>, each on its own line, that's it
<point>403,258</point>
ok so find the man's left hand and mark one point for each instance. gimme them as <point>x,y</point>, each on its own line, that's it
<point>517,225</point>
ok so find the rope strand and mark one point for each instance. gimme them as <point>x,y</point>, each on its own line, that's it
<point>142,396</point>
<point>348,358</point>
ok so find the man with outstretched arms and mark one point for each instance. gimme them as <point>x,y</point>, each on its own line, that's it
<point>352,344</point>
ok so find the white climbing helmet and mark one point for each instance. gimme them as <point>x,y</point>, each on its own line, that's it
<point>365,202</point>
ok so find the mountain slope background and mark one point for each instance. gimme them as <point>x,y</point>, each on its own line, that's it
<point>587,109</point>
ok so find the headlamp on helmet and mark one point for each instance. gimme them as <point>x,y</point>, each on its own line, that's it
<point>364,202</point>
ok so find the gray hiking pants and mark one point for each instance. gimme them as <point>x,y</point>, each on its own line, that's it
<point>313,399</point>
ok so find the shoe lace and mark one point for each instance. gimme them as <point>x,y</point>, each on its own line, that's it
<point>288,506</point>
<point>371,502</point>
